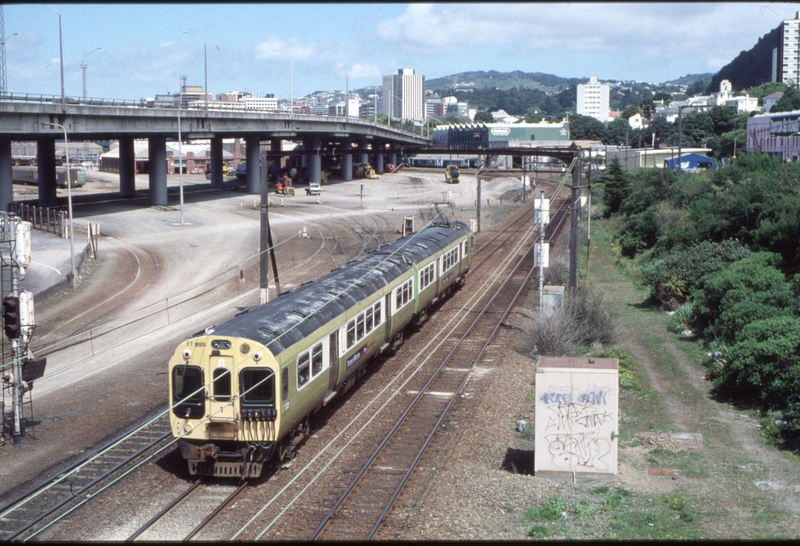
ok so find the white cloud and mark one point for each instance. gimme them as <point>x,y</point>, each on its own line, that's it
<point>276,48</point>
<point>653,31</point>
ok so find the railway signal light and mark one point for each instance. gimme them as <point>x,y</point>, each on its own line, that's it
<point>11,317</point>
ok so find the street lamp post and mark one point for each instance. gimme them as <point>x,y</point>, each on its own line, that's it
<point>84,67</point>
<point>61,62</point>
<point>180,139</point>
<point>69,205</point>
<point>205,68</point>
<point>3,80</point>
<point>680,134</point>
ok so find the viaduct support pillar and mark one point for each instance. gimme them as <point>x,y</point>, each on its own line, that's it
<point>347,160</point>
<point>6,175</point>
<point>216,163</point>
<point>253,179</point>
<point>393,157</point>
<point>127,167</point>
<point>46,160</point>
<point>363,151</point>
<point>379,159</point>
<point>157,170</point>
<point>314,171</point>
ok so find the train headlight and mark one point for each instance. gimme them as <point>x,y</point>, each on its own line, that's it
<point>187,354</point>
<point>187,428</point>
<point>257,356</point>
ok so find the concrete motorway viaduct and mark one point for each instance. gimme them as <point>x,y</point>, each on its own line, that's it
<point>22,121</point>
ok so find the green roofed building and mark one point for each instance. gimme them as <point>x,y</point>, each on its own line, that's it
<point>490,135</point>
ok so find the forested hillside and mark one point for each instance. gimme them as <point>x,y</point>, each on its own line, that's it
<point>750,68</point>
<point>505,80</point>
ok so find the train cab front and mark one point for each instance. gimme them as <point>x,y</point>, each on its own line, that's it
<point>224,412</point>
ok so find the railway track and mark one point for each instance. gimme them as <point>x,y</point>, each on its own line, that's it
<point>449,380</point>
<point>55,498</point>
<point>361,508</point>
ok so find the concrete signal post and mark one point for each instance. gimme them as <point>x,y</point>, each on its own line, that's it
<point>541,249</point>
<point>18,319</point>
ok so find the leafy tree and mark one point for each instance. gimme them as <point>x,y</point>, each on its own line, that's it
<point>585,128</point>
<point>615,187</point>
<point>483,117</point>
<point>666,132</point>
<point>619,131</point>
<point>663,96</point>
<point>630,111</point>
<point>724,119</point>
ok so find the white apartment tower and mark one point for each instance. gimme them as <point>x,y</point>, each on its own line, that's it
<point>788,54</point>
<point>593,99</point>
<point>403,95</point>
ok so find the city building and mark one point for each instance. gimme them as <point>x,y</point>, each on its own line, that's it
<point>434,106</point>
<point>777,134</point>
<point>266,103</point>
<point>786,57</point>
<point>490,135</point>
<point>403,95</point>
<point>648,158</point>
<point>703,103</point>
<point>593,99</point>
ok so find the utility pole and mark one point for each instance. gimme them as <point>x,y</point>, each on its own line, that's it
<point>3,73</point>
<point>573,239</point>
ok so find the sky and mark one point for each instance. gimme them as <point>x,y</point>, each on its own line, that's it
<point>298,48</point>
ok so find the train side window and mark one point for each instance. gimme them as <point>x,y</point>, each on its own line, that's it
<point>284,382</point>
<point>257,385</point>
<point>222,384</point>
<point>369,316</point>
<point>378,316</point>
<point>302,370</point>
<point>316,360</point>
<point>360,326</point>
<point>351,333</point>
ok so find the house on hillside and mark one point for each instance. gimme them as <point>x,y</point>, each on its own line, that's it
<point>771,100</point>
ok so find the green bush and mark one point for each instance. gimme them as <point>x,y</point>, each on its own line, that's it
<point>721,290</point>
<point>764,365</point>
<point>671,276</point>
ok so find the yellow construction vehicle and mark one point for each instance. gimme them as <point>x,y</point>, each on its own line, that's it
<point>364,171</point>
<point>451,174</point>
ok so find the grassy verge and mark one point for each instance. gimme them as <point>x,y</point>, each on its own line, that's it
<point>717,493</point>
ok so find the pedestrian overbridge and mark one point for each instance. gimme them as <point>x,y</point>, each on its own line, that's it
<point>347,138</point>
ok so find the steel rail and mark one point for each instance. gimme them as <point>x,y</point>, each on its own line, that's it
<point>446,410</point>
<point>216,511</point>
<point>424,353</point>
<point>79,494</point>
<point>149,523</point>
<point>416,399</point>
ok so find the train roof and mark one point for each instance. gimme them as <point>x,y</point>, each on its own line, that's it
<point>294,315</point>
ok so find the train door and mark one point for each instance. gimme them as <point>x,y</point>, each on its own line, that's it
<point>221,368</point>
<point>333,352</point>
<point>387,312</point>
